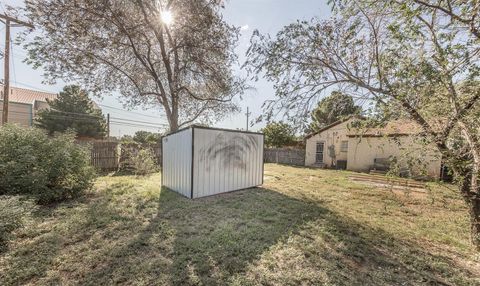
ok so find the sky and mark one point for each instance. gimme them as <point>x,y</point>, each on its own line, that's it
<point>267,16</point>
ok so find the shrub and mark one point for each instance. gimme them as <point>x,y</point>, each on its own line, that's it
<point>49,168</point>
<point>137,159</point>
<point>144,162</point>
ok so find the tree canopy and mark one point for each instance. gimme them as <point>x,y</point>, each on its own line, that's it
<point>420,57</point>
<point>332,108</point>
<point>278,134</point>
<point>72,109</point>
<point>146,137</point>
<point>183,65</point>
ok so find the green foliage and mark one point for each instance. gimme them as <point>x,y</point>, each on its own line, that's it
<point>137,159</point>
<point>73,109</point>
<point>127,139</point>
<point>144,137</point>
<point>143,162</point>
<point>49,169</point>
<point>278,134</point>
<point>331,109</point>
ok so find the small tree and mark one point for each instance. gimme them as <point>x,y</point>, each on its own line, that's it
<point>332,108</point>
<point>278,134</point>
<point>146,137</point>
<point>72,109</point>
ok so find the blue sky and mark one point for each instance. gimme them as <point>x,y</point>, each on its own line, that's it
<point>268,16</point>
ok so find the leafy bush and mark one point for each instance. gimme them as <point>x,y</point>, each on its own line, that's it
<point>144,162</point>
<point>137,159</point>
<point>49,168</point>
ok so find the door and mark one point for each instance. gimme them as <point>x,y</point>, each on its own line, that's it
<point>319,152</point>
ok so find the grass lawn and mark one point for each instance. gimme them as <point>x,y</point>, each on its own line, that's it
<point>302,227</point>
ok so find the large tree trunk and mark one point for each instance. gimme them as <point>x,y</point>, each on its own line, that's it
<point>471,195</point>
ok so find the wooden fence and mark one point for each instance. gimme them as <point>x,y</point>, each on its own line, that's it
<point>107,155</point>
<point>289,156</point>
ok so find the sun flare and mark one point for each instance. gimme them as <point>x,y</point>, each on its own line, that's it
<point>167,17</point>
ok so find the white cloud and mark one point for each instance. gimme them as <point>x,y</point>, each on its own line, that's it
<point>244,27</point>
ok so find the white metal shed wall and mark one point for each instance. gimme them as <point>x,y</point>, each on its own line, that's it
<point>226,160</point>
<point>177,162</point>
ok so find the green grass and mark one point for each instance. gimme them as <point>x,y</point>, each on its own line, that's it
<point>303,227</point>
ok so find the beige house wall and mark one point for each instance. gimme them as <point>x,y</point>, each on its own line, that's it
<point>19,113</point>
<point>331,137</point>
<point>363,150</point>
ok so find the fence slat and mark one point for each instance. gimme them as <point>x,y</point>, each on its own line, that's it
<point>287,156</point>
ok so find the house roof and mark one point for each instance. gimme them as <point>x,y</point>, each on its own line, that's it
<point>400,127</point>
<point>23,95</point>
<point>332,125</point>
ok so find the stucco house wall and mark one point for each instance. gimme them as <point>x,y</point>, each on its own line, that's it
<point>394,140</point>
<point>332,136</point>
<point>362,152</point>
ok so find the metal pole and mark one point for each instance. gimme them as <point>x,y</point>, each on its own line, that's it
<point>6,83</point>
<point>108,126</point>
<point>248,114</point>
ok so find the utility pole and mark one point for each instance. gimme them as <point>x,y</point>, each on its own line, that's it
<point>6,58</point>
<point>108,126</point>
<point>6,70</point>
<point>248,115</point>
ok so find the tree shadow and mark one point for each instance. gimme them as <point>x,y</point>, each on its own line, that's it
<point>218,240</point>
<point>255,236</point>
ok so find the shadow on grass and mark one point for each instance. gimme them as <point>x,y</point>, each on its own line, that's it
<point>230,238</point>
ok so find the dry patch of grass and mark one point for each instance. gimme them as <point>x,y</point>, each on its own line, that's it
<point>304,226</point>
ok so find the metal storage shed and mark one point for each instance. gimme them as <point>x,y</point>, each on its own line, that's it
<point>201,161</point>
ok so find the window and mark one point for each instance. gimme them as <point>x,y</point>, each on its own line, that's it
<point>319,152</point>
<point>344,146</point>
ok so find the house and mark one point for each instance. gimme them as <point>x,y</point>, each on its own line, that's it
<point>342,146</point>
<point>23,104</point>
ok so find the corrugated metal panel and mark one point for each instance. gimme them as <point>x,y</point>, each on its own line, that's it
<point>177,162</point>
<point>226,161</point>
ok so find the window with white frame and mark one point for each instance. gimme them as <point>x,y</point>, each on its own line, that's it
<point>344,146</point>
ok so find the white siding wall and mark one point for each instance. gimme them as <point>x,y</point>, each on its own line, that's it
<point>226,161</point>
<point>177,162</point>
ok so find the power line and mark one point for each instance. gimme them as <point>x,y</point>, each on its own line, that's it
<point>102,105</point>
<point>133,112</point>
<point>146,122</point>
<point>118,121</point>
<point>37,88</point>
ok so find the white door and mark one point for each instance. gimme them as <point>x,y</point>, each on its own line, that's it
<point>319,152</point>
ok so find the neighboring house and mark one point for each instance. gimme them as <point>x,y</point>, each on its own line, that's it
<point>23,104</point>
<point>341,146</point>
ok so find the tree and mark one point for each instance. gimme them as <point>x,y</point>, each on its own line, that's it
<point>72,109</point>
<point>146,137</point>
<point>134,47</point>
<point>331,109</point>
<point>278,134</point>
<point>401,54</point>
